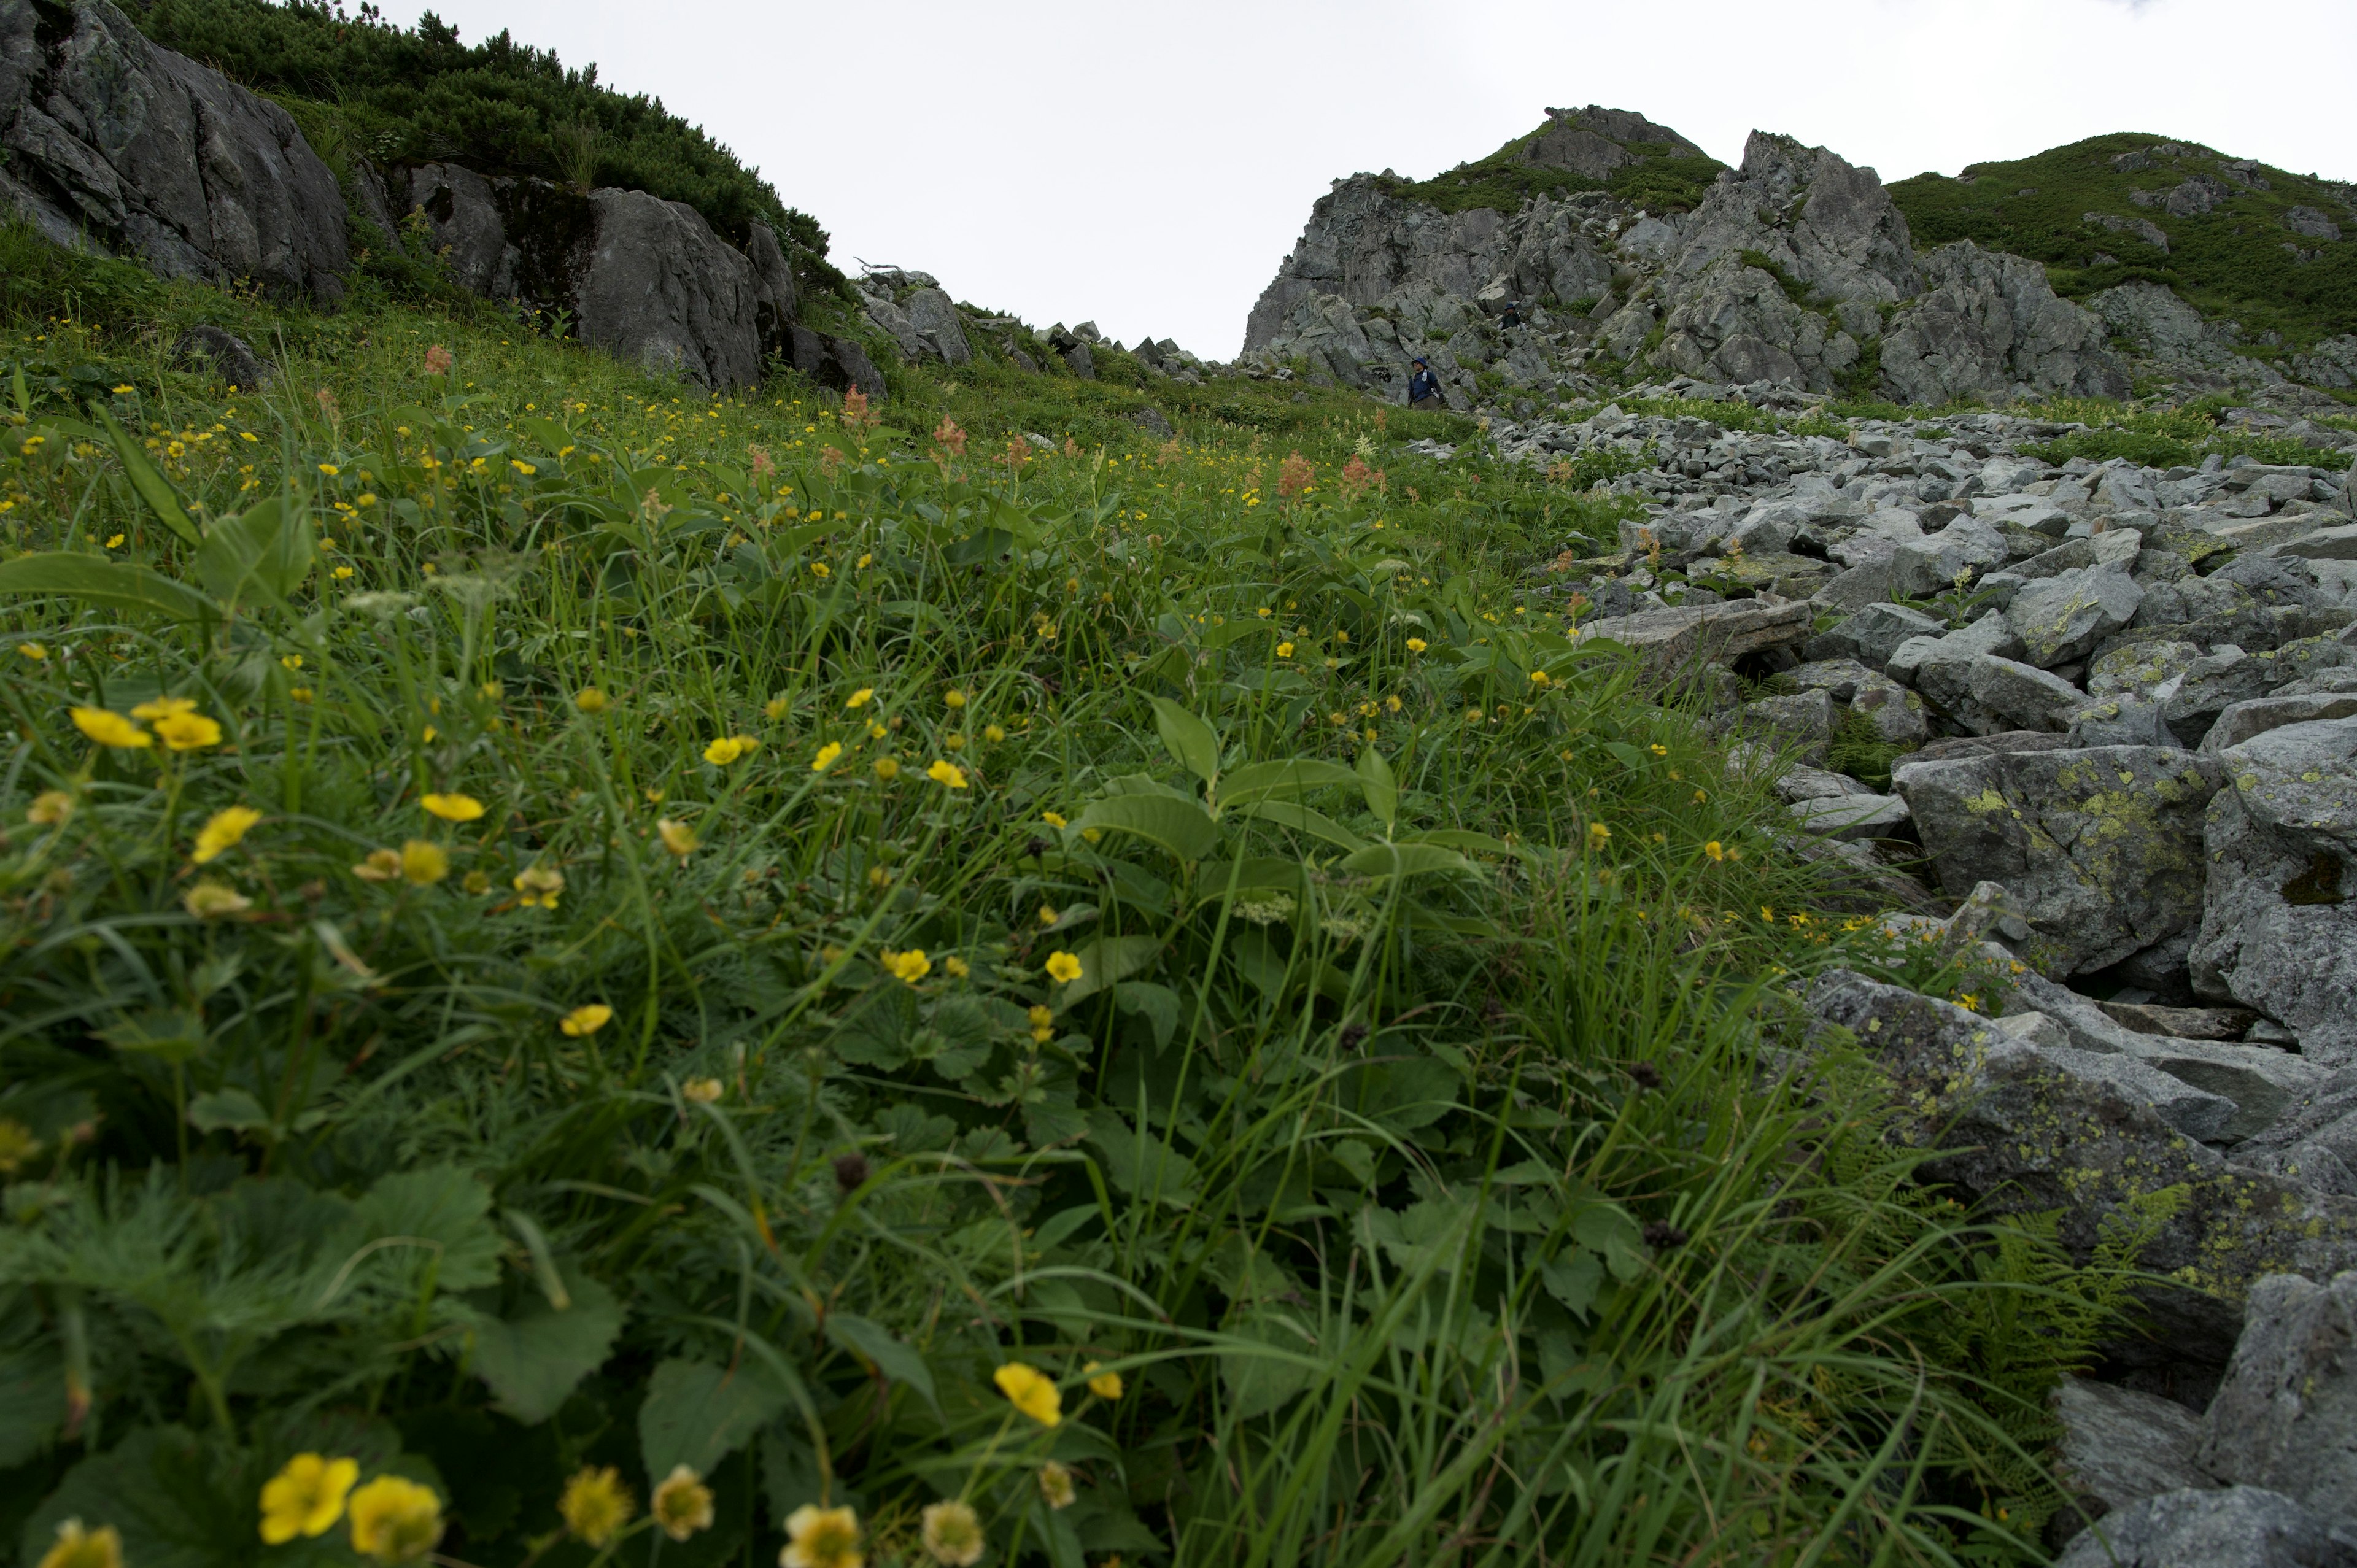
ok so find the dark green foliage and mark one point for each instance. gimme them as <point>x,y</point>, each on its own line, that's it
<point>39,280</point>
<point>1795,289</point>
<point>2240,260</point>
<point>1859,750</point>
<point>1661,179</point>
<point>359,87</point>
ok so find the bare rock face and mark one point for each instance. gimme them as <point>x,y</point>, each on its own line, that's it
<point>2285,1416</point>
<point>1989,323</point>
<point>662,290</point>
<point>112,142</point>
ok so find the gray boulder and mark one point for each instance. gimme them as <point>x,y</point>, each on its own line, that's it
<point>776,303</point>
<point>1941,667</point>
<point>2278,929</point>
<point>2010,695</point>
<point>662,291</point>
<point>1669,641</point>
<point>2244,720</point>
<point>2239,1527</point>
<point>2101,850</point>
<point>938,324</point>
<point>1873,634</point>
<point>2285,1416</point>
<point>836,363</point>
<point>2064,616</point>
<point>2121,721</point>
<point>225,353</point>
<point>1852,817</point>
<point>1803,724</point>
<point>466,227</point>
<point>2119,1447</point>
<point>114,143</point>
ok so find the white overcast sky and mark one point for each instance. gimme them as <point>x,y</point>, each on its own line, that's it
<point>1148,166</point>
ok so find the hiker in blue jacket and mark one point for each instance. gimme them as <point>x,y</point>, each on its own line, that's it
<point>1424,387</point>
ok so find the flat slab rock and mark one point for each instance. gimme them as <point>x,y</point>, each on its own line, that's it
<point>2238,1527</point>
<point>1667,641</point>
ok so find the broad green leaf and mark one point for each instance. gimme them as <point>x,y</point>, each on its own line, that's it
<point>533,1359</point>
<point>1158,1005</point>
<point>1405,860</point>
<point>32,1398</point>
<point>698,1414</point>
<point>180,1500</point>
<point>1139,1163</point>
<point>1381,789</point>
<point>874,1343</point>
<point>442,1205</point>
<point>1281,780</point>
<point>233,1110</point>
<point>1260,1359</point>
<point>1195,743</point>
<point>1181,827</point>
<point>172,1035</point>
<point>153,487</point>
<point>1302,820</point>
<point>1467,839</point>
<point>1626,755</point>
<point>266,547</point>
<point>1106,962</point>
<point>1572,1279</point>
<point>112,584</point>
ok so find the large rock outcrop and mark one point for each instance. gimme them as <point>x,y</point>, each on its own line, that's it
<point>114,143</point>
<point>1989,323</point>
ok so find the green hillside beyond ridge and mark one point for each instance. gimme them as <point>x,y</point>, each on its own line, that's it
<point>2234,238</point>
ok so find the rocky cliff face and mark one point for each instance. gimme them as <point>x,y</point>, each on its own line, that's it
<point>1794,268</point>
<point>115,144</point>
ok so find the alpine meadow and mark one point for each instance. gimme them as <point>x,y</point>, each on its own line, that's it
<point>819,926</point>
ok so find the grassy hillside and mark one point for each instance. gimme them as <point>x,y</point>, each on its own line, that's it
<point>1664,178</point>
<point>554,929</point>
<point>2242,259</point>
<point>361,87</point>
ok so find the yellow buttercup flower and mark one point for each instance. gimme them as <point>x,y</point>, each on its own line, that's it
<point>1716,850</point>
<point>887,768</point>
<point>395,1519</point>
<point>1285,651</point>
<point>189,732</point>
<point>822,1538</point>
<point>586,1019</point>
<point>306,1498</point>
<point>595,1505</point>
<point>826,757</point>
<point>1104,1385</point>
<point>1048,915</point>
<point>164,708</point>
<point>222,832</point>
<point>727,748</point>
<point>1416,645</point>
<point>214,901</point>
<point>452,808</point>
<point>956,968</point>
<point>953,699</point>
<point>78,1548</point>
<point>1056,1486</point>
<point>909,967</point>
<point>1063,968</point>
<point>540,886</point>
<point>1539,678</point>
<point>677,837</point>
<point>590,700</point>
<point>421,864</point>
<point>777,708</point>
<point>110,728</point>
<point>947,774</point>
<point>860,698</point>
<point>703,1091</point>
<point>1052,819</point>
<point>992,733</point>
<point>1598,835</point>
<point>50,808</point>
<point>682,1503</point>
<point>952,1533</point>
<point>382,866</point>
<point>1031,1392</point>
<point>35,652</point>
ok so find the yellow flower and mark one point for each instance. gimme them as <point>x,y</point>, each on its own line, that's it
<point>955,741</point>
<point>33,650</point>
<point>677,837</point>
<point>911,967</point>
<point>703,1091</point>
<point>1598,835</point>
<point>78,1548</point>
<point>595,1505</point>
<point>1048,915</point>
<point>164,708</point>
<point>1063,968</point>
<point>727,748</point>
<point>452,808</point>
<point>586,1019</point>
<point>382,866</point>
<point>777,708</point>
<point>827,756</point>
<point>222,832</point>
<point>1416,645</point>
<point>822,1538</point>
<point>682,1503</point>
<point>1056,1485</point>
<point>395,1519</point>
<point>818,569</point>
<point>1716,850</point>
<point>1285,651</point>
<point>888,768</point>
<point>590,700</point>
<point>860,698</point>
<point>50,808</point>
<point>540,886</point>
<point>1031,1392</point>
<point>1104,1385</point>
<point>953,699</point>
<point>952,1532</point>
<point>956,968</point>
<point>1538,678</point>
<point>329,469</point>
<point>189,732</point>
<point>948,774</point>
<point>110,728</point>
<point>18,1147</point>
<point>306,1498</point>
<point>1041,1017</point>
<point>213,900</point>
<point>424,864</point>
<point>992,733</point>
<point>1052,819</point>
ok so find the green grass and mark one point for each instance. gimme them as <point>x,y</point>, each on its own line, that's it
<point>1661,179</point>
<point>2230,262</point>
<point>1420,1142</point>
